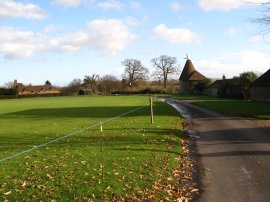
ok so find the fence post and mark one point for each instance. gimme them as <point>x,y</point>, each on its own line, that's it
<point>102,152</point>
<point>151,109</point>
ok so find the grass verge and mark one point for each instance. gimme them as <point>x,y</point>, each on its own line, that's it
<point>241,108</point>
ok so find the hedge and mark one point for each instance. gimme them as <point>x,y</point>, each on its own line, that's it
<point>8,91</point>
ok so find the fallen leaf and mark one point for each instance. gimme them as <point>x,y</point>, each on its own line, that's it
<point>7,193</point>
<point>194,190</point>
<point>24,184</point>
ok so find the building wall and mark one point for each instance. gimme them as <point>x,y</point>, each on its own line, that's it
<point>211,92</point>
<point>260,94</point>
<point>184,87</point>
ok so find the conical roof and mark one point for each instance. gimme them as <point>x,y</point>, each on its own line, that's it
<point>196,76</point>
<point>263,80</point>
<point>187,71</point>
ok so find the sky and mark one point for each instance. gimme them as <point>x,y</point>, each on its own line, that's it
<point>60,40</point>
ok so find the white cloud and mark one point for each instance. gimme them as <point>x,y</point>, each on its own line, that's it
<point>119,70</point>
<point>235,63</point>
<point>176,35</point>
<point>105,36</point>
<point>132,21</point>
<point>176,6</point>
<point>9,8</point>
<point>231,31</point>
<point>15,44</point>
<point>256,38</point>
<point>224,5</point>
<point>67,3</point>
<point>110,4</point>
<point>51,28</point>
<point>135,4</point>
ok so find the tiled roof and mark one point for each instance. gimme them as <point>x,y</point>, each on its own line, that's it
<point>263,80</point>
<point>39,89</point>
<point>187,71</point>
<point>219,83</point>
<point>190,74</point>
<point>196,76</point>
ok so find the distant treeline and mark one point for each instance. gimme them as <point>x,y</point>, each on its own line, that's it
<point>8,93</point>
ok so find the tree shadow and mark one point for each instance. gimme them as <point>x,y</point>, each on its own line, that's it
<point>111,137</point>
<point>94,112</point>
<point>241,108</point>
<point>249,135</point>
<point>236,153</point>
<point>252,141</point>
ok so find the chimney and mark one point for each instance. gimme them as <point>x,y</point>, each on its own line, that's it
<point>223,77</point>
<point>15,83</point>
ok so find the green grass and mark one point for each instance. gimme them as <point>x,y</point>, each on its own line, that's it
<point>241,108</point>
<point>135,155</point>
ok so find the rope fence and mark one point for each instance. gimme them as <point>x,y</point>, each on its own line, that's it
<point>71,134</point>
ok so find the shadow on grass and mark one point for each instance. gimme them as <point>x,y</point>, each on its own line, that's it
<point>153,136</point>
<point>243,108</point>
<point>111,142</point>
<point>94,112</point>
<point>194,97</point>
<point>238,108</point>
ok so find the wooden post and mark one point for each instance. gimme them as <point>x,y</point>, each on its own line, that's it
<point>102,152</point>
<point>151,109</point>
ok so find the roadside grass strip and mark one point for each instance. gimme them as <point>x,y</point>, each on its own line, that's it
<point>129,159</point>
<point>241,108</point>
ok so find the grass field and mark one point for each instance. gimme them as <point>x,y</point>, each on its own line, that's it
<point>242,108</point>
<point>130,158</point>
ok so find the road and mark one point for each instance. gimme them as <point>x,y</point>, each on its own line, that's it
<point>233,155</point>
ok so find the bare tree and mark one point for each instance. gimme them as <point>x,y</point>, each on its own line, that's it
<point>91,82</point>
<point>109,84</point>
<point>74,86</point>
<point>165,66</point>
<point>264,18</point>
<point>9,84</point>
<point>134,71</point>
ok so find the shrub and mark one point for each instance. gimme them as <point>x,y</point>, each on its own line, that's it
<point>8,91</point>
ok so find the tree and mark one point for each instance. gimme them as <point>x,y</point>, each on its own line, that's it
<point>264,18</point>
<point>74,86</point>
<point>246,79</point>
<point>165,66</point>
<point>9,84</point>
<point>134,71</point>
<point>91,82</point>
<point>48,83</point>
<point>109,84</point>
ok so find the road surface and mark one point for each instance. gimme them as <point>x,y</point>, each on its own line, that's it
<point>233,155</point>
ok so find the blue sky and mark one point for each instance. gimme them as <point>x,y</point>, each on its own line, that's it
<point>59,40</point>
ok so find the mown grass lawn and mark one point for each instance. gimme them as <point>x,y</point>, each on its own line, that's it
<point>130,159</point>
<point>242,108</point>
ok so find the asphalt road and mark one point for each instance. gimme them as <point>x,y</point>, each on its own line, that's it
<point>233,156</point>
